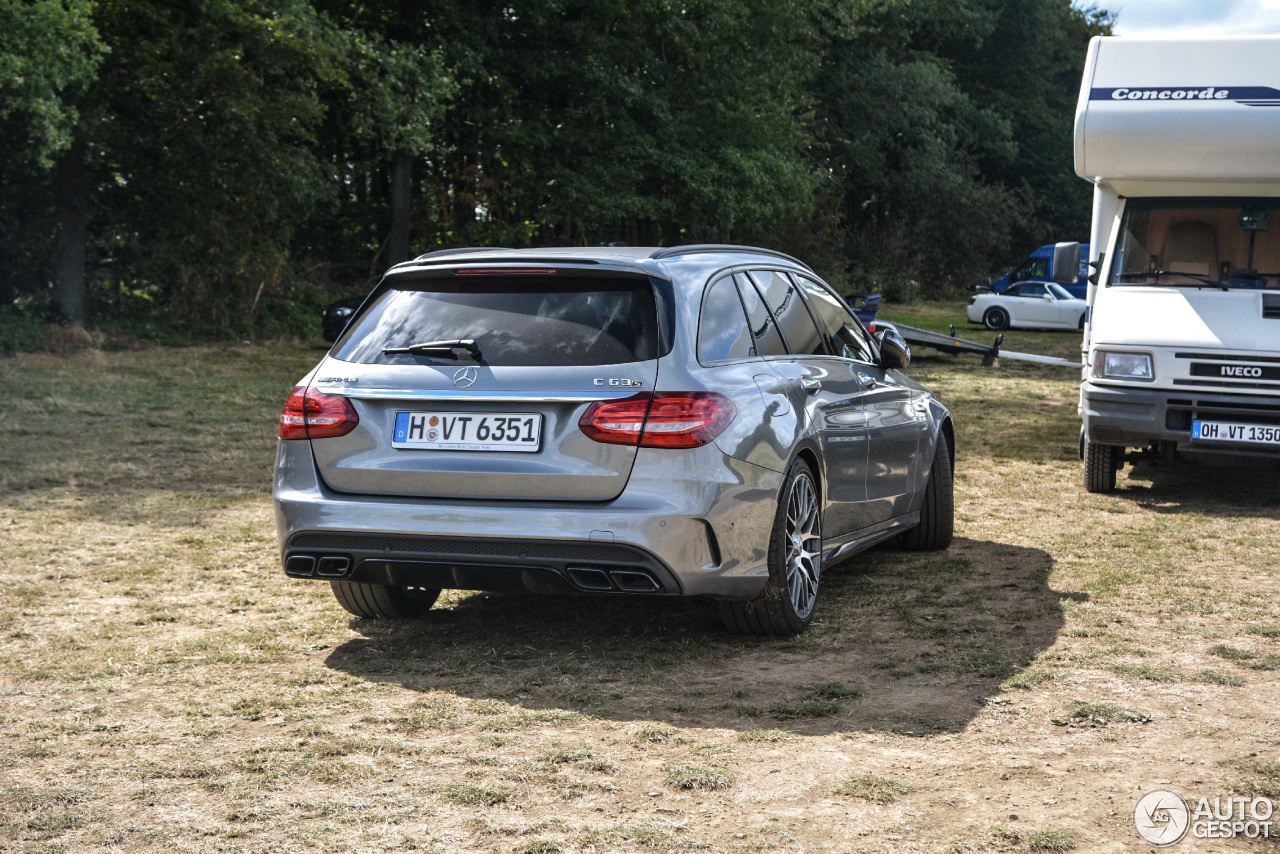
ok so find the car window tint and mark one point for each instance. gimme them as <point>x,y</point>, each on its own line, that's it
<point>1033,290</point>
<point>1060,292</point>
<point>851,340</point>
<point>763,330</point>
<point>784,300</point>
<point>586,321</point>
<point>722,329</point>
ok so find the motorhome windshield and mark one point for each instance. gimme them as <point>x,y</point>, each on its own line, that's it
<point>1205,243</point>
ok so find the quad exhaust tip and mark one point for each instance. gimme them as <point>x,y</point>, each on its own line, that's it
<point>589,579</point>
<point>634,582</point>
<point>601,581</point>
<point>317,566</point>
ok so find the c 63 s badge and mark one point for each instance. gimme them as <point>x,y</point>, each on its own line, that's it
<point>617,382</point>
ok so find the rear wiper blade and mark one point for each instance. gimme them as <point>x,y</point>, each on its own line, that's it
<point>452,348</point>
<point>1203,280</point>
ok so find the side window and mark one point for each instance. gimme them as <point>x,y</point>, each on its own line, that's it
<point>763,329</point>
<point>784,300</point>
<point>1039,268</point>
<point>1033,291</point>
<point>722,329</point>
<point>851,340</point>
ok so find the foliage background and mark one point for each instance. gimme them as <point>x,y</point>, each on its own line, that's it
<point>238,154</point>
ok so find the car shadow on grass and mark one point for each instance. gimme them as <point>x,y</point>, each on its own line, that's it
<point>906,642</point>
<point>1244,489</point>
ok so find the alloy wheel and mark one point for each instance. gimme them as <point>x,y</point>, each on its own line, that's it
<point>804,545</point>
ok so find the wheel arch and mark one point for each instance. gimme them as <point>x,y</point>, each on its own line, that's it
<point>947,432</point>
<point>808,452</point>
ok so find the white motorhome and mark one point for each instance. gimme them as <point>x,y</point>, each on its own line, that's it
<point>1181,140</point>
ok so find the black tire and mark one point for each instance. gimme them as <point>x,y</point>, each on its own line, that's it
<point>996,318</point>
<point>380,602</point>
<point>786,605</point>
<point>1101,462</point>
<point>937,514</point>
<point>1080,325</point>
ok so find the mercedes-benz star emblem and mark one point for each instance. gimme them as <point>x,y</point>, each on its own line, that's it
<point>464,377</point>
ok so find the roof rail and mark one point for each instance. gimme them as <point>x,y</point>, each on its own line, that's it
<point>695,248</point>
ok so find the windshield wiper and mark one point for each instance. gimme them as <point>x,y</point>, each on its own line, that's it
<point>1201,279</point>
<point>452,349</point>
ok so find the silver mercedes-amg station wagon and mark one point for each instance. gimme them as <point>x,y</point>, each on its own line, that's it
<point>693,421</point>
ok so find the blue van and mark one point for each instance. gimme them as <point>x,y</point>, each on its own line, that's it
<point>1035,268</point>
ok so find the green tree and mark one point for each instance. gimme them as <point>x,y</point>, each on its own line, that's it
<point>908,149</point>
<point>382,120</point>
<point>204,150</point>
<point>50,52</point>
<point>1026,68</point>
<point>578,122</point>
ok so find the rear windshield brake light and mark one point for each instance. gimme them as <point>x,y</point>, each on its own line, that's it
<point>507,271</point>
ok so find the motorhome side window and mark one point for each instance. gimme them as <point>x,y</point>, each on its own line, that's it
<point>1198,242</point>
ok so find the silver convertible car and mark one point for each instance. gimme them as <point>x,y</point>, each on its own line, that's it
<point>693,421</point>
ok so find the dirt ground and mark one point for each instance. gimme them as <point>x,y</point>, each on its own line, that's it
<point>164,688</point>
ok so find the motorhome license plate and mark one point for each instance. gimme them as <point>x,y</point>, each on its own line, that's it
<point>468,431</point>
<point>1225,431</point>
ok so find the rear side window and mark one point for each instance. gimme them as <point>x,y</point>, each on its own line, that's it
<point>515,321</point>
<point>851,340</point>
<point>722,329</point>
<point>784,300</point>
<point>763,329</point>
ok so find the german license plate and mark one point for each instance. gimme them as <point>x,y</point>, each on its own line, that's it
<point>1225,431</point>
<point>468,431</point>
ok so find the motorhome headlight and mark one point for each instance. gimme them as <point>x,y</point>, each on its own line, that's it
<point>1122,366</point>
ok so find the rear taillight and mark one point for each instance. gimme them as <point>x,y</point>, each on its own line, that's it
<point>659,420</point>
<point>309,414</point>
<point>871,327</point>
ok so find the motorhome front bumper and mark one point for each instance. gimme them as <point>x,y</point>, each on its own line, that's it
<point>1138,417</point>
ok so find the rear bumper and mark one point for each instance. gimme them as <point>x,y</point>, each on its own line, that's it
<point>1138,417</point>
<point>689,523</point>
<point>535,566</point>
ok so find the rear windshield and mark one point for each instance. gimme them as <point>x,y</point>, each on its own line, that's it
<point>513,321</point>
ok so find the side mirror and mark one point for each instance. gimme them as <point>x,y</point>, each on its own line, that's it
<point>894,352</point>
<point>1066,262</point>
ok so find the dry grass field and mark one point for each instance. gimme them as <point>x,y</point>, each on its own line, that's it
<point>163,687</point>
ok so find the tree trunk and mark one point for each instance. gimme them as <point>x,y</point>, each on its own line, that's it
<point>69,248</point>
<point>401,201</point>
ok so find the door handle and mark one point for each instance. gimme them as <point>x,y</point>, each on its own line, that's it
<point>866,381</point>
<point>810,385</point>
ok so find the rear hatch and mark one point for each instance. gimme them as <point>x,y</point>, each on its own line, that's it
<point>491,409</point>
